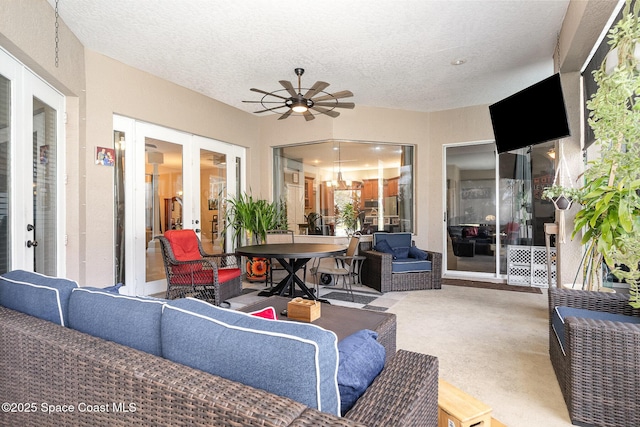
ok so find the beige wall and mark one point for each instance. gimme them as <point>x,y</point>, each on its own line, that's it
<point>97,87</point>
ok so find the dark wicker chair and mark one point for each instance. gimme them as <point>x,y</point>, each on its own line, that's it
<point>377,273</point>
<point>599,370</point>
<point>192,272</point>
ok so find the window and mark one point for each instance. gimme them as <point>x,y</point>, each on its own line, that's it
<point>336,188</point>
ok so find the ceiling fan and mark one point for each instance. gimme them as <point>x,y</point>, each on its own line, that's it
<point>296,102</point>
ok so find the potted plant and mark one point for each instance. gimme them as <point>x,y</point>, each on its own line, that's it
<point>561,196</point>
<point>348,216</point>
<point>251,218</point>
<point>610,218</point>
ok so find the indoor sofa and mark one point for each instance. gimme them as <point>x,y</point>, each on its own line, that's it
<point>394,263</point>
<point>66,363</point>
<point>594,345</point>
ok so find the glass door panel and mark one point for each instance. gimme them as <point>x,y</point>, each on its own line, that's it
<point>45,160</point>
<point>213,193</point>
<point>218,172</point>
<point>164,205</point>
<point>5,173</point>
<point>471,208</point>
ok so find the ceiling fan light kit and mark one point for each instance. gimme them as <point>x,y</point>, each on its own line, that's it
<point>296,102</point>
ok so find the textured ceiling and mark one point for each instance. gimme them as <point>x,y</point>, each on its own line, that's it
<point>391,54</point>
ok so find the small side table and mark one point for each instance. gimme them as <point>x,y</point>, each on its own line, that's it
<point>458,409</point>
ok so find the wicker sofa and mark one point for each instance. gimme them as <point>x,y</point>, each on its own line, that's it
<point>57,375</point>
<point>378,269</point>
<point>598,369</point>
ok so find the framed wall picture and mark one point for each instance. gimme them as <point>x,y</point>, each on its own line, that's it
<point>105,156</point>
<point>296,178</point>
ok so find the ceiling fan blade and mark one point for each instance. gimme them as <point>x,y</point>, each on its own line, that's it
<point>285,115</point>
<point>267,93</point>
<point>325,111</point>
<point>308,116</point>
<point>289,87</point>
<point>264,102</point>
<point>337,95</point>
<point>317,87</point>
<point>336,104</point>
<point>269,109</point>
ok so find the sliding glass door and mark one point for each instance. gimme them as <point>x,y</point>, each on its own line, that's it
<point>471,215</point>
<point>494,202</point>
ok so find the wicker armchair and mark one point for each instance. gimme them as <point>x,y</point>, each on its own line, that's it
<point>192,272</point>
<point>598,371</point>
<point>377,272</point>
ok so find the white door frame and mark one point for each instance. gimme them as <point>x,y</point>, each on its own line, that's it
<point>24,87</point>
<point>135,132</point>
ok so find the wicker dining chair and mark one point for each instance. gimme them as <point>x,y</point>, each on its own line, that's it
<point>346,266</point>
<point>193,272</point>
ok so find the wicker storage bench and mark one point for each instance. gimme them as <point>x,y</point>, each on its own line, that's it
<point>44,366</point>
<point>598,370</point>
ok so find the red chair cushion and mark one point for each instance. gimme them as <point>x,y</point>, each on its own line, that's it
<point>184,244</point>
<point>225,274</point>
<point>202,277</point>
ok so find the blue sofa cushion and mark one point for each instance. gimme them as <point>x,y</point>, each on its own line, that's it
<point>361,360</point>
<point>294,360</point>
<point>37,295</point>
<point>410,265</point>
<point>127,320</point>
<point>416,253</point>
<point>560,313</point>
<point>395,240</point>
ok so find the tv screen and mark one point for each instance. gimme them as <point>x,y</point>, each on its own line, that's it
<point>534,115</point>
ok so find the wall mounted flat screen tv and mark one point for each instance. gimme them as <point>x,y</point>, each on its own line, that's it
<point>534,115</point>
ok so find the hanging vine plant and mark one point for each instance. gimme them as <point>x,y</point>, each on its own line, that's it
<point>610,218</point>
<point>562,197</point>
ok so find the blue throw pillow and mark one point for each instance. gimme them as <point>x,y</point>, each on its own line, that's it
<point>384,246</point>
<point>401,252</point>
<point>416,253</point>
<point>115,288</point>
<point>361,360</point>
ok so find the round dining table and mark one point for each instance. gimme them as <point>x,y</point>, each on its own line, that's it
<point>293,257</point>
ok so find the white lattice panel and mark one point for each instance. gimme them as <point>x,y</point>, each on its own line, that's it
<point>527,265</point>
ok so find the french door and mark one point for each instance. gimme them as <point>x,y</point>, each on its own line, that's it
<point>171,180</point>
<point>32,220</point>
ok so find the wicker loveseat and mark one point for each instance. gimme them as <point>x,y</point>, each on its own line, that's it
<point>378,269</point>
<point>597,366</point>
<point>56,375</point>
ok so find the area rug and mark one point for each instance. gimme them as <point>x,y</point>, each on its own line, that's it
<point>488,285</point>
<point>344,296</point>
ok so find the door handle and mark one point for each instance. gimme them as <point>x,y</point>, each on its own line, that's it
<point>197,230</point>
<point>33,243</point>
<point>30,227</point>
